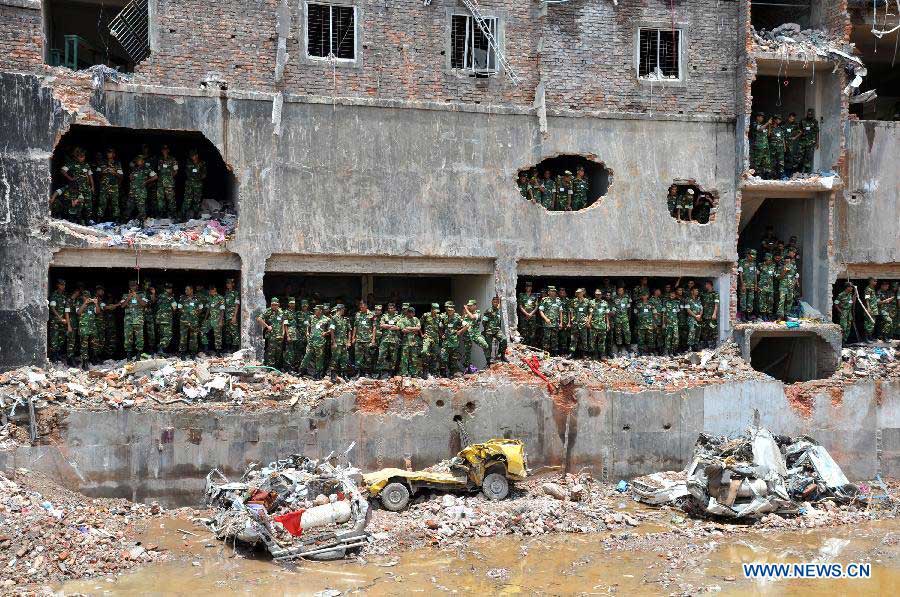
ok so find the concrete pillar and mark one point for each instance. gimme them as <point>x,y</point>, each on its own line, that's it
<point>505,280</point>
<point>722,285</point>
<point>253,301</point>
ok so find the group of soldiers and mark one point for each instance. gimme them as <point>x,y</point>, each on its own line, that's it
<point>778,148</point>
<point>560,192</point>
<point>664,320</point>
<point>92,190</point>
<point>880,310</point>
<point>688,204</point>
<point>85,325</point>
<point>769,288</point>
<point>317,338</point>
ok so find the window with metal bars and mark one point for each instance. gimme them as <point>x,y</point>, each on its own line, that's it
<point>659,54</point>
<point>331,31</point>
<point>470,49</point>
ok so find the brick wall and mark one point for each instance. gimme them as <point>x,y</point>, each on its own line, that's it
<point>21,46</point>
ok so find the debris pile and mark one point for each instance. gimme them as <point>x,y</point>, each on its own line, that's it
<point>49,534</point>
<point>214,229</point>
<point>790,39</point>
<point>877,362</point>
<point>750,476</point>
<point>296,508</point>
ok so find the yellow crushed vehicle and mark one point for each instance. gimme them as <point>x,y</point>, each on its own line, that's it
<point>489,467</point>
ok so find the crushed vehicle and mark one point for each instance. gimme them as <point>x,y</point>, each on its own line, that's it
<point>296,507</point>
<point>488,467</point>
<point>750,476</point>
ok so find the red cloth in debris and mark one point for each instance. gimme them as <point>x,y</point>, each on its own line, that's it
<point>291,522</point>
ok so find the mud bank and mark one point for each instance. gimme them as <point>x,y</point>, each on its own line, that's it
<point>164,455</point>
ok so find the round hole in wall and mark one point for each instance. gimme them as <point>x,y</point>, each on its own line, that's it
<point>440,403</point>
<point>457,418</point>
<point>626,428</point>
<point>667,426</point>
<point>470,407</point>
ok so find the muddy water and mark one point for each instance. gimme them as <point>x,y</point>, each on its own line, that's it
<point>557,565</point>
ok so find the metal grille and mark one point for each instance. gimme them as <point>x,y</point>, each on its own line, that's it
<point>658,53</point>
<point>331,31</point>
<point>131,28</point>
<point>470,48</point>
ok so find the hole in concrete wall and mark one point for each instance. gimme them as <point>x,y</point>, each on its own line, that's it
<point>689,202</point>
<point>768,14</point>
<point>882,75</point>
<point>798,357</point>
<point>780,97</point>
<point>84,33</point>
<point>548,185</point>
<point>439,403</point>
<point>667,426</point>
<point>218,190</point>
<point>857,327</point>
<point>457,418</point>
<point>626,428</point>
<point>114,282</point>
<point>470,407</point>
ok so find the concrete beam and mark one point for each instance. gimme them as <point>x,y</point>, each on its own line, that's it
<point>570,267</point>
<point>351,264</point>
<point>790,65</point>
<point>870,270</point>
<point>200,259</point>
<point>809,187</point>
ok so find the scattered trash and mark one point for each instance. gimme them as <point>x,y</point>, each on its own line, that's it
<point>622,486</point>
<point>209,229</point>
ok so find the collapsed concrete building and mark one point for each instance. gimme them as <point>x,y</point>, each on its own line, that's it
<point>380,152</point>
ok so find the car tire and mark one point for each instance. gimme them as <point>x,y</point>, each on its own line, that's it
<point>395,497</point>
<point>495,487</point>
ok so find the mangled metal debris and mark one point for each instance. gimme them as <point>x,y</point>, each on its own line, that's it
<point>296,508</point>
<point>750,476</point>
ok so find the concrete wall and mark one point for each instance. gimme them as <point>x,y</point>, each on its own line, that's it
<point>148,454</point>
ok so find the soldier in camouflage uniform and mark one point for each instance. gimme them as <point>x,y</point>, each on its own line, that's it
<point>673,201</point>
<point>362,337</point>
<point>410,351</point>
<point>195,174</point>
<point>190,312</point>
<point>748,282</point>
<point>88,312</point>
<point>317,333</point>
<point>548,191</point>
<point>59,320</point>
<point>133,302</point>
<point>787,281</point>
<point>454,327</point>
<point>472,317</point>
<point>760,158</point>
<point>766,296</point>
<point>887,307</point>
<point>687,205</point>
<point>694,311</point>
<point>550,311</point>
<point>644,325</point>
<point>843,303</point>
<point>598,322</point>
<point>140,178</point>
<point>564,191</point>
<point>809,141</point>
<point>72,344</point>
<point>621,309</point>
<point>109,176</point>
<point>289,352</point>
<point>527,306</point>
<point>339,329</point>
<point>792,134</point>
<point>656,302</point>
<point>524,186</point>
<point>390,340</point>
<point>870,302</point>
<point>150,317</point>
<point>232,332</point>
<point>709,332</point>
<point>580,311</point>
<point>274,323</point>
<point>777,147</point>
<point>432,330</point>
<point>166,307</point>
<point>671,310</point>
<point>167,166</point>
<point>492,327</point>
<point>215,320</point>
<point>105,345</point>
<point>77,171</point>
<point>565,315</point>
<point>579,190</point>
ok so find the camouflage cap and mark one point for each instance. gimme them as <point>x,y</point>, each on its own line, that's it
<point>229,280</point>
<point>767,256</point>
<point>404,306</point>
<point>139,157</point>
<point>690,191</point>
<point>304,302</point>
<point>60,281</point>
<point>450,305</point>
<point>99,287</point>
<point>435,306</point>
<point>275,300</point>
<point>598,291</point>
<point>340,306</point>
<point>553,288</point>
<point>776,115</point>
<point>379,308</point>
<point>580,290</point>
<point>86,293</point>
<point>318,307</point>
<point>471,303</point>
<point>411,308</point>
<point>568,173</point>
<point>292,301</point>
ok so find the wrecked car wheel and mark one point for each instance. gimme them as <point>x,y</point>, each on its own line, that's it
<point>495,486</point>
<point>395,497</point>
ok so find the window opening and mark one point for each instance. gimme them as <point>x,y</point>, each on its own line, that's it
<point>84,33</point>
<point>331,31</point>
<point>659,53</point>
<point>471,48</point>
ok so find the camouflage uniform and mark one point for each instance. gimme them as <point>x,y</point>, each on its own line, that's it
<point>766,298</point>
<point>657,303</point>
<point>580,310</point>
<point>109,175</point>
<point>807,144</point>
<point>214,322</point>
<point>564,193</point>
<point>579,193</point>
<point>528,326</point>
<point>599,328</point>
<point>72,345</point>
<point>671,309</point>
<point>472,336</point>
<point>551,307</point>
<point>760,158</point>
<point>870,300</point>
<point>193,187</point>
<point>492,327</point>
<point>450,352</point>
<point>232,330</point>
<point>87,332</point>
<point>137,190</point>
<point>316,332</point>
<point>166,306</point>
<point>340,335</point>
<point>710,327</point>
<point>524,189</point>
<point>388,348</point>
<point>364,352</point>
<point>432,329</point>
<point>57,325</point>
<point>410,357</point>
<point>134,321</point>
<point>165,187</point>
<point>81,172</point>
<point>747,278</point>
<point>776,149</point>
<point>787,281</point>
<point>149,320</point>
<point>275,318</point>
<point>548,193</point>
<point>792,147</point>
<point>844,301</point>
<point>190,310</point>
<point>695,306</point>
<point>302,321</point>
<point>621,331</point>
<point>289,354</point>
<point>887,306</point>
<point>644,324</point>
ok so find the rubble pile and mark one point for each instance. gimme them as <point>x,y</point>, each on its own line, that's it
<point>49,534</point>
<point>296,508</point>
<point>751,476</point>
<point>875,362</point>
<point>209,229</point>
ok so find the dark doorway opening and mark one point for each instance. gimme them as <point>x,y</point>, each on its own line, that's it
<point>768,14</point>
<point>883,76</point>
<point>793,358</point>
<point>859,317</point>
<point>598,176</point>
<point>688,202</point>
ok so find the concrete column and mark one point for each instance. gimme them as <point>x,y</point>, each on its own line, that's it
<point>505,280</point>
<point>253,301</point>
<point>722,285</point>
